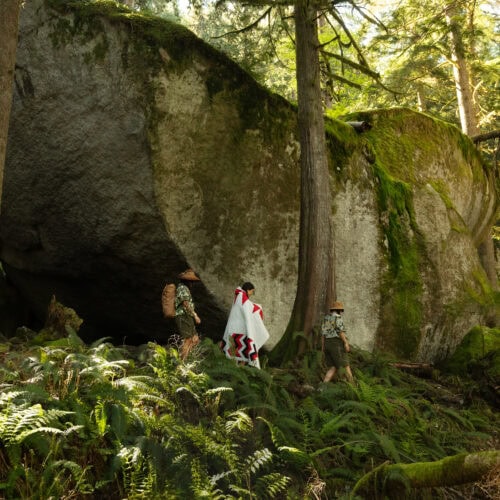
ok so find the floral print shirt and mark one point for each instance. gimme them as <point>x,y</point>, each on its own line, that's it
<point>332,325</point>
<point>182,294</point>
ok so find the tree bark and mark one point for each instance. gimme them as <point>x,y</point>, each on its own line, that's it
<point>315,274</point>
<point>394,481</point>
<point>466,106</point>
<point>9,24</point>
<point>486,252</point>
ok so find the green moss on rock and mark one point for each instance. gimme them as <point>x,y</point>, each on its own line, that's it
<point>399,135</point>
<point>481,344</point>
<point>403,285</point>
<point>341,141</point>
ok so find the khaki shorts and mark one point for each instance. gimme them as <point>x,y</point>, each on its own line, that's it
<point>335,353</point>
<point>185,325</point>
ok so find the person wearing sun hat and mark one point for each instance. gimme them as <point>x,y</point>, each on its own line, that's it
<point>334,343</point>
<point>186,318</point>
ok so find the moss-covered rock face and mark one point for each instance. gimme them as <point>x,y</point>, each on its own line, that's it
<point>436,199</point>
<point>479,349</point>
<point>136,150</point>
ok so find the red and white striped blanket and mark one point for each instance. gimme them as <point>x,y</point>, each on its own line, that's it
<point>245,331</point>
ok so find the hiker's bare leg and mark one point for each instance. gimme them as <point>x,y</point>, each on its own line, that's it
<point>330,374</point>
<point>186,347</point>
<point>348,371</point>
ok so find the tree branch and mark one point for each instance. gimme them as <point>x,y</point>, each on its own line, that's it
<point>374,20</point>
<point>495,134</point>
<point>246,28</point>
<point>337,18</point>
<point>343,80</point>
<point>353,64</point>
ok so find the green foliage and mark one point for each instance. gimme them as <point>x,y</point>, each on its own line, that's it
<point>98,420</point>
<point>478,353</point>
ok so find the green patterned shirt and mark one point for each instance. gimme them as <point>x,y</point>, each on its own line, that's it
<point>182,294</point>
<point>332,325</point>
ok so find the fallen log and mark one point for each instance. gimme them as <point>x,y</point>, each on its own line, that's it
<point>422,369</point>
<point>395,481</point>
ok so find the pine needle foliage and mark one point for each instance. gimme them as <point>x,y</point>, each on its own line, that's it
<point>97,421</point>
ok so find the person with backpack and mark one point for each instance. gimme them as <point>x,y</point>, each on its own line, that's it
<point>334,343</point>
<point>186,318</point>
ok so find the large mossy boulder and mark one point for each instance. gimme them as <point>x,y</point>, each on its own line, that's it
<point>478,354</point>
<point>136,150</point>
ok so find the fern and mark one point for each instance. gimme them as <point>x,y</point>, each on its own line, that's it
<point>336,426</point>
<point>64,478</point>
<point>271,485</point>
<point>238,420</point>
<point>138,474</point>
<point>19,422</point>
<point>257,460</point>
<point>277,436</point>
<point>388,446</point>
<point>98,420</point>
<point>455,420</point>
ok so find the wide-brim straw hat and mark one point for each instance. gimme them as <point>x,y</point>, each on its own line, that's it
<point>337,306</point>
<point>189,275</point>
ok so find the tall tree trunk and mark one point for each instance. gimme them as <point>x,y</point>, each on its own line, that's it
<point>315,276</point>
<point>486,252</point>
<point>9,23</point>
<point>463,86</point>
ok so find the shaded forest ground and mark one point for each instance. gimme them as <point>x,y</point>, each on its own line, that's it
<point>106,421</point>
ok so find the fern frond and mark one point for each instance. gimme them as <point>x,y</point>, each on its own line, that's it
<point>138,473</point>
<point>218,390</point>
<point>63,478</point>
<point>336,426</point>
<point>271,485</point>
<point>217,477</point>
<point>360,411</point>
<point>19,422</point>
<point>240,491</point>
<point>293,429</point>
<point>7,397</point>
<point>257,460</point>
<point>143,384</point>
<point>320,451</point>
<point>454,418</point>
<point>388,446</point>
<point>238,420</point>
<point>277,436</point>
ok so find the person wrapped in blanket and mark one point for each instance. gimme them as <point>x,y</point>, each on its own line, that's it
<point>334,343</point>
<point>186,318</point>
<point>245,331</point>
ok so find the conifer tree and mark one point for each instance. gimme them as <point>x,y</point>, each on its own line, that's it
<point>9,21</point>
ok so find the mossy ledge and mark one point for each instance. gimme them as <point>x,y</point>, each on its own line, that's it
<point>407,123</point>
<point>149,34</point>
